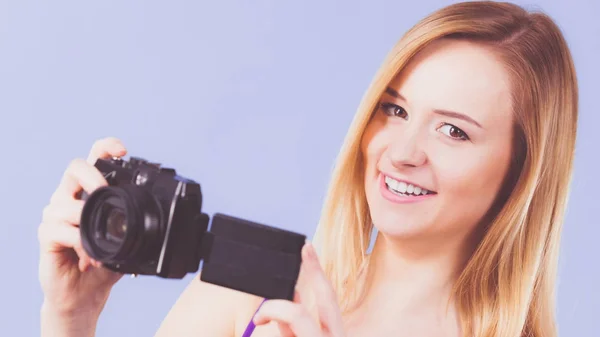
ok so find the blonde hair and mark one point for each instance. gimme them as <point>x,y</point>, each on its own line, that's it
<point>508,286</point>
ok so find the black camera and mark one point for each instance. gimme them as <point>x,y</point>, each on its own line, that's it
<point>149,221</point>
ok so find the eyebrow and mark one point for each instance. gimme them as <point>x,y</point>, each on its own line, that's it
<point>443,112</point>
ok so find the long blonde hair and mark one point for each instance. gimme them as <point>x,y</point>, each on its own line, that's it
<point>508,286</point>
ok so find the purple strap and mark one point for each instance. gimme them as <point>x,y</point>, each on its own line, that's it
<point>250,327</point>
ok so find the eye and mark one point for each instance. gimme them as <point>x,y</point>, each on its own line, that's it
<point>453,132</point>
<point>393,110</point>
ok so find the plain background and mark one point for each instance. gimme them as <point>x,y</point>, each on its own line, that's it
<point>250,98</point>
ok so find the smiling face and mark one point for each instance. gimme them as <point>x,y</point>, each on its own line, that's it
<point>443,125</point>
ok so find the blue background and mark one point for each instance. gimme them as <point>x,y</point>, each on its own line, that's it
<point>251,98</point>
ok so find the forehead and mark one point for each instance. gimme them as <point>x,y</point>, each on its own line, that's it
<point>460,76</point>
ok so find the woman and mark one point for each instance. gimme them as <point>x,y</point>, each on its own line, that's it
<point>460,155</point>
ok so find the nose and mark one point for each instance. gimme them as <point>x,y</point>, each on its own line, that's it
<point>407,149</point>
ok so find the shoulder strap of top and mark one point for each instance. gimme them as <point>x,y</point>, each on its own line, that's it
<point>250,327</point>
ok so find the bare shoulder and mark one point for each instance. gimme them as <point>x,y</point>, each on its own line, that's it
<point>204,309</point>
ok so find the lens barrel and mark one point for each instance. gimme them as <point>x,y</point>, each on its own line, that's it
<point>121,225</point>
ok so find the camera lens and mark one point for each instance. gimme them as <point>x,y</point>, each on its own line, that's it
<point>115,223</point>
<point>121,225</point>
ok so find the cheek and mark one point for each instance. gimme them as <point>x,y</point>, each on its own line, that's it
<point>373,145</point>
<point>474,178</point>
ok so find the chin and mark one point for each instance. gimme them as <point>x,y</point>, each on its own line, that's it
<point>401,221</point>
<point>401,227</point>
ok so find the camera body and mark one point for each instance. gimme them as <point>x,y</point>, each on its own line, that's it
<point>147,221</point>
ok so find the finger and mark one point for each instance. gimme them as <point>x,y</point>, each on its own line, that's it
<point>304,294</point>
<point>79,175</point>
<point>106,148</point>
<point>324,295</point>
<point>63,210</point>
<point>314,274</point>
<point>85,262</point>
<point>60,236</point>
<point>96,264</point>
<point>53,237</point>
<point>284,330</point>
<point>293,318</point>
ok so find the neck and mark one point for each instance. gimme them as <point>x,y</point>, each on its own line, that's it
<point>415,272</point>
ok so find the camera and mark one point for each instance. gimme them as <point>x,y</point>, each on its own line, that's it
<point>148,220</point>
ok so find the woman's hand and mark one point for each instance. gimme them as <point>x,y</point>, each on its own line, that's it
<point>314,311</point>
<point>75,287</point>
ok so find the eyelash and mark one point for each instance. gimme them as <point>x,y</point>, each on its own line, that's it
<point>386,109</point>
<point>390,110</point>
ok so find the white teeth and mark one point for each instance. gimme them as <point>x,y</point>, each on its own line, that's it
<point>391,183</point>
<point>401,187</point>
<point>404,188</point>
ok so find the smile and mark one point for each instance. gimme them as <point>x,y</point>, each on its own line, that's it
<point>403,192</point>
<point>405,189</point>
